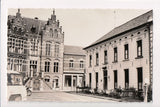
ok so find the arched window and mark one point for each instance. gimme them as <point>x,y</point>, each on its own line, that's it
<point>56,33</point>
<point>71,63</point>
<point>47,66</point>
<point>47,78</point>
<point>51,32</point>
<point>19,31</point>
<point>56,66</point>
<point>81,64</point>
<point>33,29</point>
<point>15,29</point>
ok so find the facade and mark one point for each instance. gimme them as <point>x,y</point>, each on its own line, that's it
<point>123,57</point>
<point>36,49</point>
<point>74,67</point>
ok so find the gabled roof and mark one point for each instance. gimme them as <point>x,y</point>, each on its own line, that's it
<point>73,50</point>
<point>138,21</point>
<point>29,22</point>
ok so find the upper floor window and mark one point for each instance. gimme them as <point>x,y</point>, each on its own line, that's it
<point>56,50</point>
<point>115,54</point>
<point>11,45</point>
<point>47,66</point>
<point>34,47</point>
<point>126,51</point>
<point>81,64</point>
<point>48,49</point>
<point>90,60</point>
<point>56,66</point>
<point>97,59</point>
<point>71,63</point>
<point>105,57</point>
<point>139,48</point>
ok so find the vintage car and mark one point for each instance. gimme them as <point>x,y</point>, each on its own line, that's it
<point>16,90</point>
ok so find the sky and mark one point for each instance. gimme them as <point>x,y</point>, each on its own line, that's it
<point>82,27</point>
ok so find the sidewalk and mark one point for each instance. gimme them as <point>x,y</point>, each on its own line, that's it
<point>126,99</point>
<point>96,96</point>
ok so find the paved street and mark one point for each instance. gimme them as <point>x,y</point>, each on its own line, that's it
<point>59,96</point>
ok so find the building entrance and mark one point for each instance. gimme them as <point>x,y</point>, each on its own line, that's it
<point>36,84</point>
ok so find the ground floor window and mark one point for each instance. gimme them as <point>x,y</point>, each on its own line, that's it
<point>115,79</point>
<point>105,79</point>
<point>46,80</point>
<point>56,83</point>
<point>140,78</point>
<point>96,79</point>
<point>126,73</point>
<point>90,79</point>
<point>68,81</point>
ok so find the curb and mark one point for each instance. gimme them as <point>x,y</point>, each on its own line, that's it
<point>95,96</point>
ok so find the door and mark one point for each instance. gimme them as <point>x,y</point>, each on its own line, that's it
<point>36,84</point>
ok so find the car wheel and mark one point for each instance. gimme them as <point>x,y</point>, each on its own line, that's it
<point>15,98</point>
<point>19,98</point>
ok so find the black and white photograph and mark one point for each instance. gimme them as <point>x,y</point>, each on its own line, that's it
<point>43,66</point>
<point>80,53</point>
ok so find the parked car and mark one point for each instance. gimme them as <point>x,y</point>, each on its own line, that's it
<point>16,91</point>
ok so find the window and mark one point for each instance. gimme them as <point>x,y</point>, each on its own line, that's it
<point>97,58</point>
<point>140,78</point>
<point>46,80</point>
<point>71,63</point>
<point>96,79</point>
<point>81,64</point>
<point>48,48</point>
<point>105,79</point>
<point>105,57</point>
<point>55,66</point>
<point>56,50</point>
<point>139,48</point>
<point>33,67</point>
<point>90,79</point>
<point>115,55</point>
<point>90,60</point>
<point>56,83</point>
<point>115,79</point>
<point>34,47</point>
<point>67,81</point>
<point>11,45</point>
<point>126,73</point>
<point>47,64</point>
<point>126,51</point>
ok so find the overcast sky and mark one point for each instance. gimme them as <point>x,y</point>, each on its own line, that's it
<point>83,26</point>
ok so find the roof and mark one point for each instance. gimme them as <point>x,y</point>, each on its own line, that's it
<point>29,22</point>
<point>138,21</point>
<point>73,50</point>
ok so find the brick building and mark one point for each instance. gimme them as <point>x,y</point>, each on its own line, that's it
<point>122,57</point>
<point>36,49</point>
<point>74,66</point>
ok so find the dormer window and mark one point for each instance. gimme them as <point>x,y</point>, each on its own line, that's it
<point>19,31</point>
<point>33,29</point>
<point>15,29</point>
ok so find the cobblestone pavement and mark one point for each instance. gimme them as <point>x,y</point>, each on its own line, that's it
<point>60,96</point>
